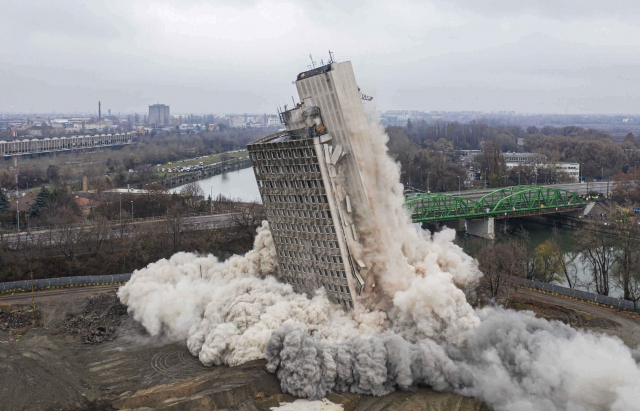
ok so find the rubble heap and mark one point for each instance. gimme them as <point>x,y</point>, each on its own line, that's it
<point>17,319</point>
<point>99,320</point>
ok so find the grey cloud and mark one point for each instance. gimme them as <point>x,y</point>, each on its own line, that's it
<point>554,9</point>
<point>211,56</point>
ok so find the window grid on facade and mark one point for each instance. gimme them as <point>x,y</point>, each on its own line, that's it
<point>295,198</point>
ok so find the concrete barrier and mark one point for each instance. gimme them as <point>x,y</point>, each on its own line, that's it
<point>581,295</point>
<point>42,284</point>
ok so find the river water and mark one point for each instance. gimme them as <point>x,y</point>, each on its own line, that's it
<point>238,185</point>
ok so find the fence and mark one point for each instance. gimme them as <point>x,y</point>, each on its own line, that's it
<point>12,227</point>
<point>581,295</point>
<point>65,281</point>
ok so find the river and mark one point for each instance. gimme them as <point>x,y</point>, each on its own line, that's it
<point>239,184</point>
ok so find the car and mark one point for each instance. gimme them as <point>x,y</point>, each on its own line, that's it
<point>159,165</point>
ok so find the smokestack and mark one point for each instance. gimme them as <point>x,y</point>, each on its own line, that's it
<point>99,111</point>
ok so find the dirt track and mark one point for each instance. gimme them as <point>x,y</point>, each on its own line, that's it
<point>628,329</point>
<point>50,368</point>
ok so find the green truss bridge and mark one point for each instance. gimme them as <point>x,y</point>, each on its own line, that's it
<point>508,202</point>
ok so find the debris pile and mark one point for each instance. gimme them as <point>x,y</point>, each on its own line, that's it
<point>17,319</point>
<point>99,320</point>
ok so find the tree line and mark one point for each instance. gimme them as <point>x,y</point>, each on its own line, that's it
<point>606,253</point>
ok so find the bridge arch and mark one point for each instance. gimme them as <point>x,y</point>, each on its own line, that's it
<point>508,200</point>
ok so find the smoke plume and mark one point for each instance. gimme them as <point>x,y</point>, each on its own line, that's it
<point>419,328</point>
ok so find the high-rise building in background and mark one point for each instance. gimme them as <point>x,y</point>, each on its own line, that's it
<point>159,115</point>
<point>312,188</point>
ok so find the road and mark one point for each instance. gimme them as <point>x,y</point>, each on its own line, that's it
<point>627,324</point>
<point>50,236</point>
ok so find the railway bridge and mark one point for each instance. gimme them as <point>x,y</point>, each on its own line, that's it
<point>480,211</point>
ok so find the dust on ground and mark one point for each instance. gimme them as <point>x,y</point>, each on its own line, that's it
<point>87,353</point>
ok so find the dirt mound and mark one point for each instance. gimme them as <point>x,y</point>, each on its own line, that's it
<point>15,319</point>
<point>99,320</point>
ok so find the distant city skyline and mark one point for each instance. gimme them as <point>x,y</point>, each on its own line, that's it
<point>227,57</point>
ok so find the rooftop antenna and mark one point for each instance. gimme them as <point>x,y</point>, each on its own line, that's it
<point>321,62</point>
<point>294,102</point>
<point>313,63</point>
<point>331,58</point>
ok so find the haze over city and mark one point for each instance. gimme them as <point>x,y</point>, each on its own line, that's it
<point>224,57</point>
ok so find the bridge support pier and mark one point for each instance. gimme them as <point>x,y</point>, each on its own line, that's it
<point>481,228</point>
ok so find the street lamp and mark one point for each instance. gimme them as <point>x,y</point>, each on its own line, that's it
<point>131,211</point>
<point>518,178</point>
<point>120,208</point>
<point>428,190</point>
<point>458,186</point>
<point>211,199</point>
<point>485,178</point>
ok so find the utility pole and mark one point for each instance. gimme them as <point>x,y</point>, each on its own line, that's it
<point>428,189</point>
<point>131,211</point>
<point>211,200</point>
<point>15,160</point>
<point>33,300</point>
<point>458,186</point>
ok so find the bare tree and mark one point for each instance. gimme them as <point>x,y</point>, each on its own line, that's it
<point>500,263</point>
<point>598,252</point>
<point>175,221</point>
<point>626,273</point>
<point>192,194</point>
<point>247,217</point>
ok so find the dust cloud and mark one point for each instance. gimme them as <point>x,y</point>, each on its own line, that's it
<point>419,328</point>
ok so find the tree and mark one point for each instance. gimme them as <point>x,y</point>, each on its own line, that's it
<point>53,172</point>
<point>547,256</point>
<point>248,218</point>
<point>39,202</point>
<point>175,221</point>
<point>492,162</point>
<point>4,202</point>
<point>597,248</point>
<point>626,273</point>
<point>192,193</point>
<point>499,263</point>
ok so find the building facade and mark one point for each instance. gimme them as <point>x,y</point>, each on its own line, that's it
<point>64,143</point>
<point>159,115</point>
<point>312,187</point>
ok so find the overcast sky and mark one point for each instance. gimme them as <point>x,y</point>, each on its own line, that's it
<point>543,56</point>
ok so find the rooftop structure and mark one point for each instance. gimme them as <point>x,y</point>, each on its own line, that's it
<point>312,188</point>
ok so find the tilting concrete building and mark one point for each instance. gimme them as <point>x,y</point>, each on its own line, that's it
<point>312,187</point>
